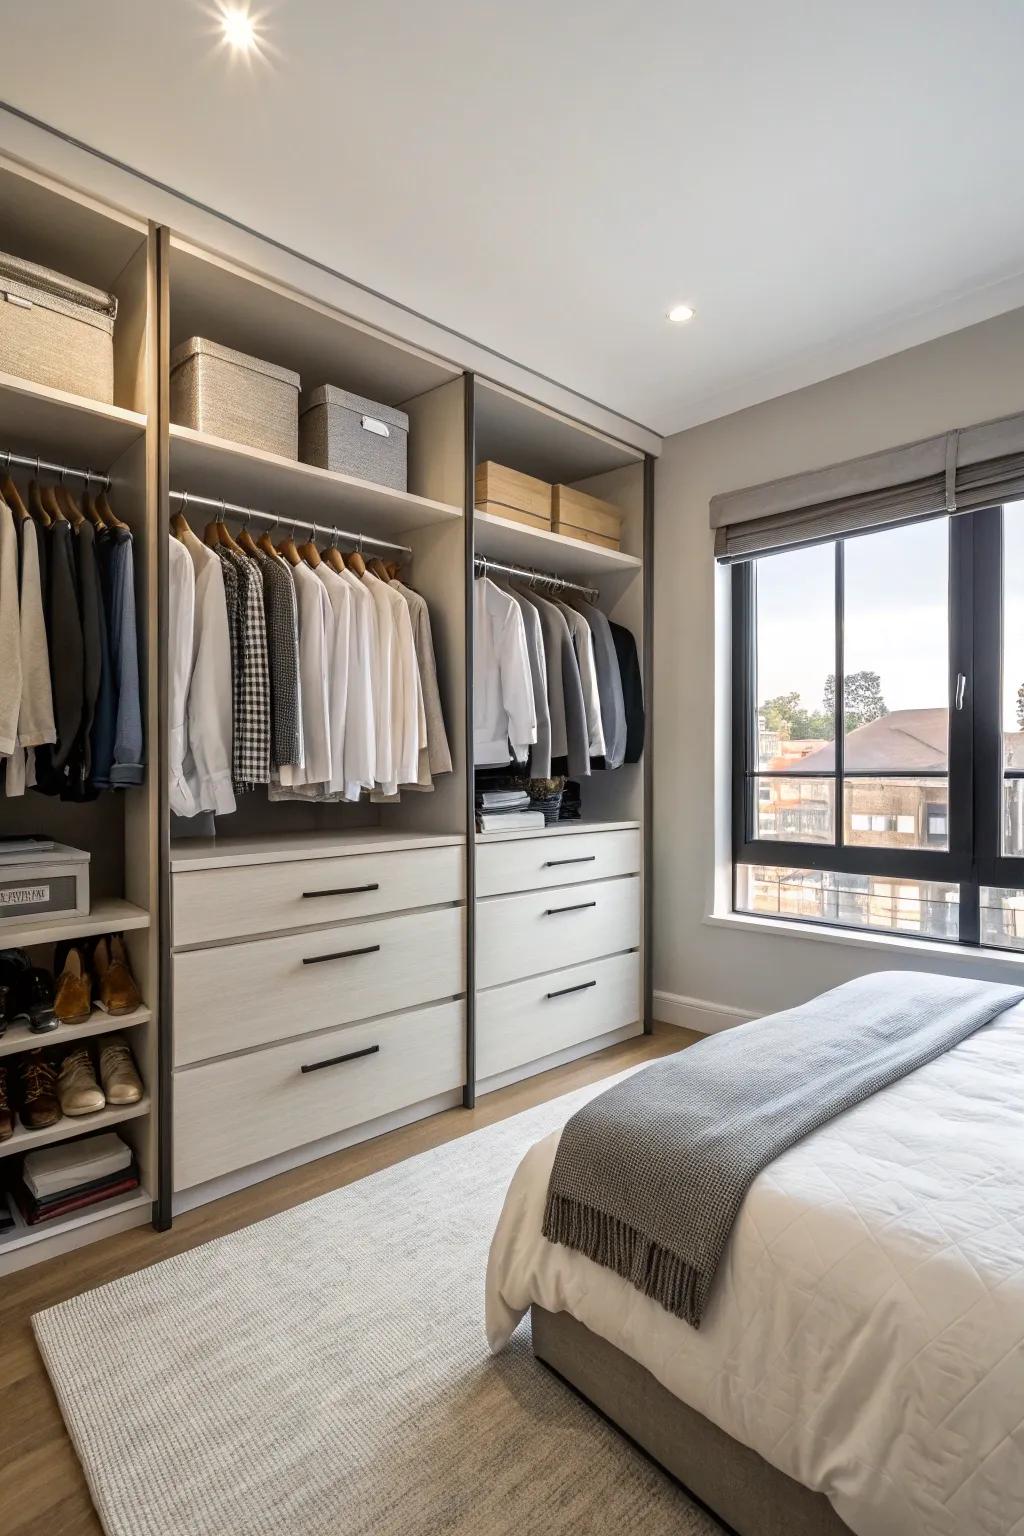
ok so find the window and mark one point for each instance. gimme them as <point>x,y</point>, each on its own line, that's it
<point>878,730</point>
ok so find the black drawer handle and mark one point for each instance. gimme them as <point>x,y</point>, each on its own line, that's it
<point>576,907</point>
<point>581,986</point>
<point>334,1061</point>
<point>584,858</point>
<point>343,890</point>
<point>341,954</point>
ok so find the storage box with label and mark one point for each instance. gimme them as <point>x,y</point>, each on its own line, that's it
<point>355,436</point>
<point>55,330</point>
<point>50,882</point>
<point>579,516</point>
<point>505,492</point>
<point>230,394</point>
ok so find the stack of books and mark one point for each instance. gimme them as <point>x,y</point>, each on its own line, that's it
<point>505,810</point>
<point>60,1180</point>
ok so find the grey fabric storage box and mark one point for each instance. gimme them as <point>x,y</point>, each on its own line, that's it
<point>55,330</point>
<point>346,432</point>
<point>229,394</point>
<point>54,882</point>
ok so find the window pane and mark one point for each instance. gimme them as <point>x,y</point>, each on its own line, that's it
<point>1013,818</point>
<point>1002,918</point>
<point>795,650</point>
<point>896,813</point>
<point>794,810</point>
<point>929,908</point>
<point>896,651</point>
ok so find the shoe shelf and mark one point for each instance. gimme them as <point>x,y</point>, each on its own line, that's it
<point>72,1125</point>
<point>20,1038</point>
<point>110,914</point>
<point>21,1235</point>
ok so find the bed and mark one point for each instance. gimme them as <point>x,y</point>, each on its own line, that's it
<point>860,1367</point>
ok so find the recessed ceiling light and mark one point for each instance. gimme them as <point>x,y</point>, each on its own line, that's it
<point>680,313</point>
<point>239,28</point>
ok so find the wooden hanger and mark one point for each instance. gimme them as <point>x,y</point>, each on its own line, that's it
<point>393,569</point>
<point>355,562</point>
<point>379,569</point>
<point>107,512</point>
<point>246,542</point>
<point>48,497</point>
<point>266,543</point>
<point>309,551</point>
<point>10,493</point>
<point>89,508</point>
<point>35,505</point>
<point>72,511</point>
<point>335,559</point>
<point>217,532</point>
<point>288,549</point>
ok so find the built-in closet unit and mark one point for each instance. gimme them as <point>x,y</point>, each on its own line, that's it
<point>117,443</point>
<point>315,974</point>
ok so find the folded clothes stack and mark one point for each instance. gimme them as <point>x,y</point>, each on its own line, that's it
<point>57,1181</point>
<point>505,810</point>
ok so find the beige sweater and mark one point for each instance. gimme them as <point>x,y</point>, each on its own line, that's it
<point>10,634</point>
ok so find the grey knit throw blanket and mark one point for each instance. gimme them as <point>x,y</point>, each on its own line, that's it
<point>649,1177</point>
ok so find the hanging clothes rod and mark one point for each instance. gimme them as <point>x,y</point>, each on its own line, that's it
<point>185,499</point>
<point>40,466</point>
<point>483,565</point>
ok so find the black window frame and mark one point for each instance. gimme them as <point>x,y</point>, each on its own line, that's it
<point>974,857</point>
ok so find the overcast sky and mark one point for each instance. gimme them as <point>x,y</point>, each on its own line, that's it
<point>896,616</point>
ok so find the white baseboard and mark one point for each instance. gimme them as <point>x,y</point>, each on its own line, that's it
<point>697,1013</point>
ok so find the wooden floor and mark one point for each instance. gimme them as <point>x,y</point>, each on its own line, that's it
<point>42,1490</point>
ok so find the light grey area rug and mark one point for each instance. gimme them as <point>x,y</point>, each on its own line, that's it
<point>325,1373</point>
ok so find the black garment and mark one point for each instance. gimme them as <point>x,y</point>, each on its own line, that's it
<point>91,609</point>
<point>64,638</point>
<point>632,691</point>
<point>105,715</point>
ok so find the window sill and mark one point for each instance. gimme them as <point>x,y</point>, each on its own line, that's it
<point>970,956</point>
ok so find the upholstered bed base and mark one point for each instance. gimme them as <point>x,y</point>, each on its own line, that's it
<point>738,1486</point>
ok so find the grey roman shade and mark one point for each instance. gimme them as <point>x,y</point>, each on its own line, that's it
<point>954,472</point>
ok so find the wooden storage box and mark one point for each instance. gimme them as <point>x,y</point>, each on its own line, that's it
<point>499,488</point>
<point>55,330</point>
<point>229,394</point>
<point>579,516</point>
<point>513,515</point>
<point>50,883</point>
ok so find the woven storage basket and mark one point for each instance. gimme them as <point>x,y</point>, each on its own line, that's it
<point>55,330</point>
<point>230,394</point>
<point>346,432</point>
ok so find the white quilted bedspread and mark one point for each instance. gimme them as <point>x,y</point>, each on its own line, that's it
<point>867,1333</point>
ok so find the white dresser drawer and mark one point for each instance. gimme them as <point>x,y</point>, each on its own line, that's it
<point>520,936</point>
<point>241,995</point>
<point>215,904</point>
<point>531,1019</point>
<point>529,863</point>
<point>229,1114</point>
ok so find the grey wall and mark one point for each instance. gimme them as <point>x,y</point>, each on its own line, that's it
<point>970,376</point>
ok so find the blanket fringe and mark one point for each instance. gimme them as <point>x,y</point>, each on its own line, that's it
<point>658,1273</point>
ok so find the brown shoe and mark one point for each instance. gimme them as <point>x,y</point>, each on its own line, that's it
<point>73,1001</point>
<point>38,1104</point>
<point>118,993</point>
<point>6,1112</point>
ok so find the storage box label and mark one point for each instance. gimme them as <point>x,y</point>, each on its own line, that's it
<point>24,895</point>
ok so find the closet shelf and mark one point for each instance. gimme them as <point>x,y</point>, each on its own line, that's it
<point>500,539</point>
<point>21,1235</point>
<point>110,914</point>
<point>20,1038</point>
<point>72,1125</point>
<point>562,829</point>
<point>212,466</point>
<point>51,423</point>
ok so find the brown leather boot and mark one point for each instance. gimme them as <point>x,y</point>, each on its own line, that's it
<point>6,1112</point>
<point>118,993</point>
<point>73,1001</point>
<point>38,1104</point>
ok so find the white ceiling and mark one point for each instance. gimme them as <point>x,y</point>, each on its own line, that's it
<point>824,181</point>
